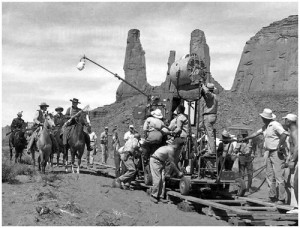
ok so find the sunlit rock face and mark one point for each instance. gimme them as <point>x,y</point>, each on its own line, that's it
<point>269,62</point>
<point>134,67</point>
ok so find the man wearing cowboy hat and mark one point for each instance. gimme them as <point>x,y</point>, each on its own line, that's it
<point>104,145</point>
<point>71,111</point>
<point>39,119</point>
<point>59,117</point>
<point>210,114</point>
<point>275,137</point>
<point>153,128</point>
<point>130,134</point>
<point>16,125</point>
<point>225,150</point>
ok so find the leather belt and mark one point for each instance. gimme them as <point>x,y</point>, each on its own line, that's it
<point>157,159</point>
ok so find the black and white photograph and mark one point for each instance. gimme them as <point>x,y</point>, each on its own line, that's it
<point>149,113</point>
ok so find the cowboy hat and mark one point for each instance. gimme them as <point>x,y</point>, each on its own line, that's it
<point>20,113</point>
<point>157,114</point>
<point>268,114</point>
<point>75,100</point>
<point>210,86</point>
<point>59,108</point>
<point>44,104</point>
<point>225,134</point>
<point>131,126</point>
<point>291,117</point>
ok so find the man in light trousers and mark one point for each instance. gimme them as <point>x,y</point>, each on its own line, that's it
<point>210,114</point>
<point>275,137</point>
<point>127,152</point>
<point>157,166</point>
<point>104,145</point>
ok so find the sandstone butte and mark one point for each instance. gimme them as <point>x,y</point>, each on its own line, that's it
<point>269,62</point>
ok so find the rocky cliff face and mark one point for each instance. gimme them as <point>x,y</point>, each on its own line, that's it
<point>134,67</point>
<point>269,62</point>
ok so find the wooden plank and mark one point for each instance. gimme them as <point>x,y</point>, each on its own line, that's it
<point>257,201</point>
<point>256,208</point>
<point>278,217</point>
<point>236,201</point>
<point>209,203</point>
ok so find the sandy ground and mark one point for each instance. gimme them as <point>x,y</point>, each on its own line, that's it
<point>87,199</point>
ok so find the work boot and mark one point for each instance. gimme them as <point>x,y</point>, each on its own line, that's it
<point>163,200</point>
<point>153,199</point>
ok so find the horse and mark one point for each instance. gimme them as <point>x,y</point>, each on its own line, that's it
<point>44,143</point>
<point>18,141</point>
<point>60,149</point>
<point>76,141</point>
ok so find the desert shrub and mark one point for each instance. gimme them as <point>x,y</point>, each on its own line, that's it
<point>11,170</point>
<point>8,172</point>
<point>22,169</point>
<point>27,160</point>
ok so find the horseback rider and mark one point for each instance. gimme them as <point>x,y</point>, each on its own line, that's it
<point>71,111</point>
<point>16,125</point>
<point>39,120</point>
<point>59,118</point>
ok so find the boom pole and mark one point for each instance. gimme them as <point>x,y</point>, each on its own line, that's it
<point>118,77</point>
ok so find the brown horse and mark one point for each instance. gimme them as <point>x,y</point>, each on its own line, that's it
<point>18,141</point>
<point>60,149</point>
<point>44,143</point>
<point>76,141</point>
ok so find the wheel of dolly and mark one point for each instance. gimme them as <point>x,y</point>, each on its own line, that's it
<point>241,187</point>
<point>184,186</point>
<point>147,176</point>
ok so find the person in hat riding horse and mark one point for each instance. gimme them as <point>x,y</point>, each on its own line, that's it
<point>59,117</point>
<point>38,120</point>
<point>71,111</point>
<point>275,136</point>
<point>16,125</point>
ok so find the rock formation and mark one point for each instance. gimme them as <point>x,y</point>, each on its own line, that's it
<point>134,67</point>
<point>168,85</point>
<point>199,46</point>
<point>269,62</point>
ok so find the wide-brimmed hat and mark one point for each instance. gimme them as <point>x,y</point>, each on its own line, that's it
<point>106,128</point>
<point>20,113</point>
<point>131,126</point>
<point>44,104</point>
<point>210,86</point>
<point>268,114</point>
<point>59,108</point>
<point>157,114</point>
<point>75,100</point>
<point>291,117</point>
<point>225,134</point>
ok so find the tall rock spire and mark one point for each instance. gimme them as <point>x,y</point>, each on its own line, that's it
<point>199,46</point>
<point>134,67</point>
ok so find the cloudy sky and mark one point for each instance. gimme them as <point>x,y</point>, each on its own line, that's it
<point>43,41</point>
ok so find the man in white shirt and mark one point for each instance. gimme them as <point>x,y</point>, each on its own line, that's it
<point>129,134</point>
<point>93,144</point>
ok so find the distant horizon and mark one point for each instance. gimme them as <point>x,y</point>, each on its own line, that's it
<point>42,43</point>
